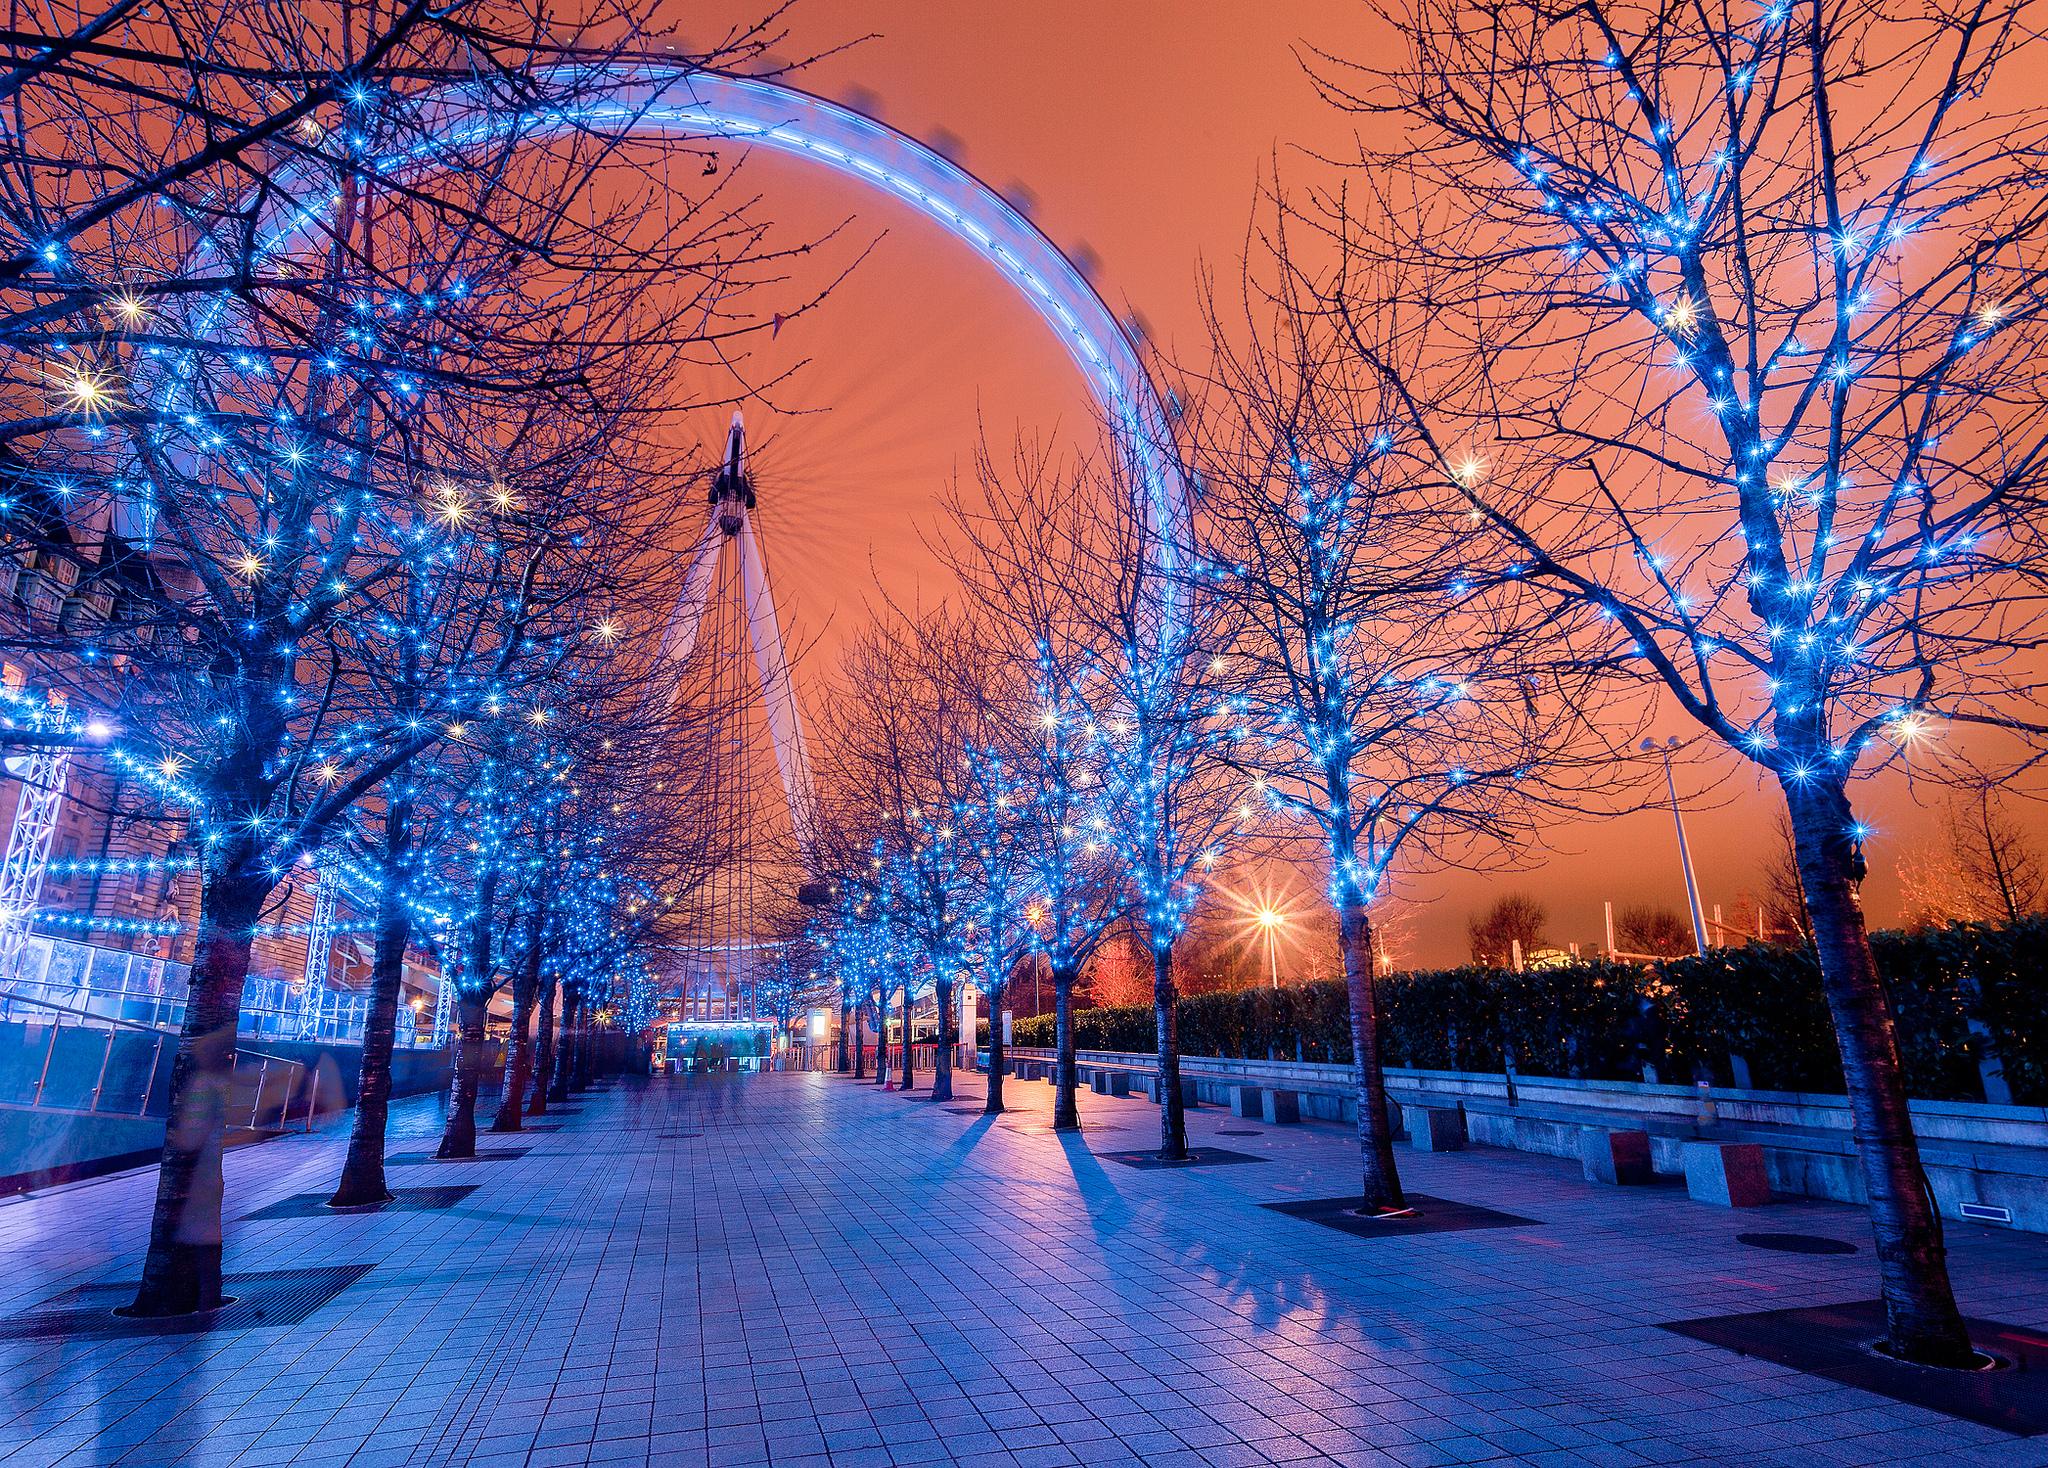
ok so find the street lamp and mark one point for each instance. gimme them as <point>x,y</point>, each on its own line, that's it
<point>1692,891</point>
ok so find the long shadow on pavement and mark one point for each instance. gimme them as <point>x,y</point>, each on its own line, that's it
<point>948,1162</point>
<point>1107,1210</point>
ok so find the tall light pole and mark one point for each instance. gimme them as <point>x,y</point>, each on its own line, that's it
<point>1692,891</point>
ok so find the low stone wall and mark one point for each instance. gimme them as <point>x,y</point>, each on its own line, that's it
<point>1975,1153</point>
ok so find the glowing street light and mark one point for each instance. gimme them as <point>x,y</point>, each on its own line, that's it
<point>1270,922</point>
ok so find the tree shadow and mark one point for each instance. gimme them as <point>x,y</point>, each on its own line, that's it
<point>948,1162</point>
<point>1108,1212</point>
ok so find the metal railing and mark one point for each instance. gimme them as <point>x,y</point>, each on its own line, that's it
<point>109,983</point>
<point>113,984</point>
<point>273,1081</point>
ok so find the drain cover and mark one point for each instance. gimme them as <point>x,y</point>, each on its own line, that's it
<point>1226,1132</point>
<point>1797,1243</point>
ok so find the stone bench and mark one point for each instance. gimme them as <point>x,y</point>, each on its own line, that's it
<point>1436,1128</point>
<point>1618,1155</point>
<point>1106,1082</point>
<point>1274,1105</point>
<point>1151,1086</point>
<point>1729,1174</point>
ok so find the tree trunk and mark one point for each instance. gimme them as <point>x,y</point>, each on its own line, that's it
<point>181,1272</point>
<point>565,1042</point>
<point>882,1041</point>
<point>1066,1111</point>
<point>845,1022</point>
<point>860,1042</point>
<point>543,1050</point>
<point>586,1041</point>
<point>362,1174</point>
<point>472,1006</point>
<point>942,1055</point>
<point>458,1138</point>
<point>1382,1189</point>
<point>909,1070</point>
<point>1173,1118</point>
<point>996,1050</point>
<point>1922,1322</point>
<point>519,1044</point>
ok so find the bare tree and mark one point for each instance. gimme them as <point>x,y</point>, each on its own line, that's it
<point>1997,859</point>
<point>1751,314</point>
<point>1401,705</point>
<point>899,729</point>
<point>1656,932</point>
<point>1783,897</point>
<point>1016,551</point>
<point>1514,919</point>
<point>264,408</point>
<point>1005,812</point>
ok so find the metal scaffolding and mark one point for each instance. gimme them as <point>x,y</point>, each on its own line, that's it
<point>319,953</point>
<point>41,771</point>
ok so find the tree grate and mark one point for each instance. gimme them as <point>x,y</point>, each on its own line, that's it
<point>1428,1216</point>
<point>263,1301</point>
<point>1197,1157</point>
<point>495,1154</point>
<point>403,1200</point>
<point>1837,1343</point>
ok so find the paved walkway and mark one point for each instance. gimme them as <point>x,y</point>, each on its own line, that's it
<point>798,1270</point>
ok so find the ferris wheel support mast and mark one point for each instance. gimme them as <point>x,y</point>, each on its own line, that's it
<point>732,497</point>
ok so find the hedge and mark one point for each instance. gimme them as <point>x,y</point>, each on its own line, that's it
<point>1955,991</point>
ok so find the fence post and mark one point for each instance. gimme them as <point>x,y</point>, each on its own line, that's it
<point>44,1078</point>
<point>312,1099</point>
<point>256,1102</point>
<point>99,1082</point>
<point>149,1083</point>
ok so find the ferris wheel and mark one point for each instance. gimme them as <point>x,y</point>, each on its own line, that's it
<point>725,629</point>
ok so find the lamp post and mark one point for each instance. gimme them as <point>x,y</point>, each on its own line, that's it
<point>1692,891</point>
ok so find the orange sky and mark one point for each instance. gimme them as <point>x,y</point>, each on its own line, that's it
<point>1139,128</point>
